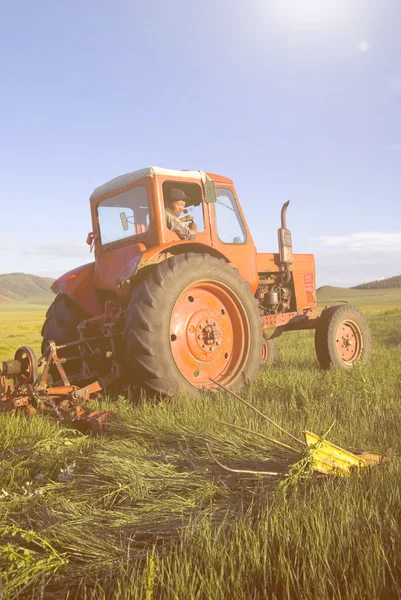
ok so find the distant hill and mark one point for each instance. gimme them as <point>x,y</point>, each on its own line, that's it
<point>380,284</point>
<point>375,299</point>
<point>20,287</point>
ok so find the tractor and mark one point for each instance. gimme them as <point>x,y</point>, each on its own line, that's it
<point>168,314</point>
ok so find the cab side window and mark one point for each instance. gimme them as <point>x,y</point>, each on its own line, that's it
<point>230,228</point>
<point>124,215</point>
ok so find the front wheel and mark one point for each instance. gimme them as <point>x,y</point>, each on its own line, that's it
<point>268,353</point>
<point>192,320</point>
<point>342,338</point>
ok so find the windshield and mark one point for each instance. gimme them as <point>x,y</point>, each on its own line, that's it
<point>123,215</point>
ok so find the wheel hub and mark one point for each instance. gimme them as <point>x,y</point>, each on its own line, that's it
<point>210,333</point>
<point>349,341</point>
<point>205,335</point>
<point>346,342</point>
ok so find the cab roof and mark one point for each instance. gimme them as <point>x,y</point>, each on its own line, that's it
<point>116,184</point>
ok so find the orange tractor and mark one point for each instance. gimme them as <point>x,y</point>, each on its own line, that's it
<point>168,313</point>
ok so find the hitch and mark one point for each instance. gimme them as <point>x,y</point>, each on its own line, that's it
<point>22,390</point>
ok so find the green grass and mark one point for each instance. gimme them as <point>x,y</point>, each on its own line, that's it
<point>142,512</point>
<point>20,324</point>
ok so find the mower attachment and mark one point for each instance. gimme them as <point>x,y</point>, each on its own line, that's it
<point>333,460</point>
<point>22,390</point>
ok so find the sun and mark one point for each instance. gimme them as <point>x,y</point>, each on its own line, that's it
<point>307,14</point>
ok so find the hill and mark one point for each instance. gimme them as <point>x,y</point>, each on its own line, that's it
<point>380,284</point>
<point>20,287</point>
<point>366,299</point>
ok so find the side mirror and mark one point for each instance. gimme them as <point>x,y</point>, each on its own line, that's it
<point>124,220</point>
<point>284,239</point>
<point>90,240</point>
<point>209,188</point>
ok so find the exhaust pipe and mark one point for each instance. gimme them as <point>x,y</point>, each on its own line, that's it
<point>284,215</point>
<point>285,244</point>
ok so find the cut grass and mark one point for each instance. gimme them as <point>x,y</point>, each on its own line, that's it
<point>142,512</point>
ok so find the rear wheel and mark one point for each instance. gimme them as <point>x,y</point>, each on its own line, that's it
<point>193,319</point>
<point>342,338</point>
<point>62,320</point>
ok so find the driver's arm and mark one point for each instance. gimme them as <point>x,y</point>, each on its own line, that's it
<point>184,233</point>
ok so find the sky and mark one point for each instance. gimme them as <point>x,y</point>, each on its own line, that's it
<point>292,99</point>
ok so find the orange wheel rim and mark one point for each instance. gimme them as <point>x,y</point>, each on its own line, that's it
<point>209,334</point>
<point>265,352</point>
<point>349,342</point>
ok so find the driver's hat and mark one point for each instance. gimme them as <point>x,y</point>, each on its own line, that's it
<point>177,195</point>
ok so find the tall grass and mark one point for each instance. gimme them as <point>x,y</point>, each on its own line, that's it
<point>142,512</point>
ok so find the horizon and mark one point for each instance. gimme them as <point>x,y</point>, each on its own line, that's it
<point>292,100</point>
<point>324,285</point>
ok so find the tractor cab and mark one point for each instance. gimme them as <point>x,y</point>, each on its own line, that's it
<point>129,221</point>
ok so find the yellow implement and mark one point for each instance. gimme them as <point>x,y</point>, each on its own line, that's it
<point>333,460</point>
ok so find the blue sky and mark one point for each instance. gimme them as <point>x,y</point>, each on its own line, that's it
<point>292,99</point>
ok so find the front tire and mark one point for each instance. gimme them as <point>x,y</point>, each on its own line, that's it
<point>342,338</point>
<point>193,318</point>
<point>268,353</point>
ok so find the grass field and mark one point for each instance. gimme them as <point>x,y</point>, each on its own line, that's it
<point>20,325</point>
<point>142,512</point>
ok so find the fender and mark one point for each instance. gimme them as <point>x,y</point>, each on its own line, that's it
<point>79,285</point>
<point>159,254</point>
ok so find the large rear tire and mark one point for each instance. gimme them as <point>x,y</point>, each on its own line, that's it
<point>193,318</point>
<point>342,338</point>
<point>62,320</point>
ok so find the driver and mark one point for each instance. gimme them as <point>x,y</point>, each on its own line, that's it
<point>175,206</point>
